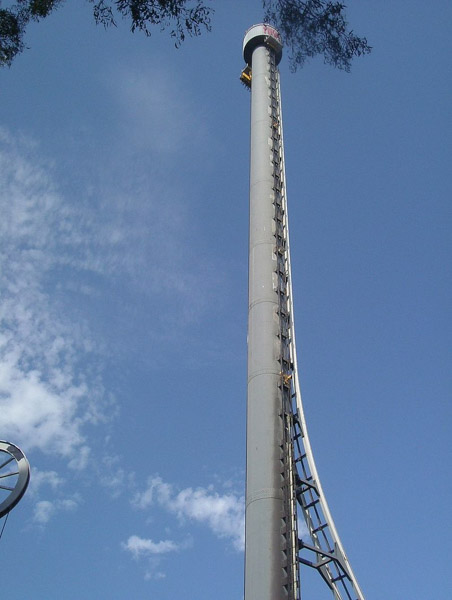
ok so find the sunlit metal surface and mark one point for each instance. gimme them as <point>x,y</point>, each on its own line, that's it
<point>282,478</point>
<point>14,476</point>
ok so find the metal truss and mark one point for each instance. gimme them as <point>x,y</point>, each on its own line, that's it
<point>321,548</point>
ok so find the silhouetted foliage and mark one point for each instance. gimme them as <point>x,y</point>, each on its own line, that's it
<point>10,36</point>
<point>182,17</point>
<point>13,23</point>
<point>308,28</point>
<point>315,27</point>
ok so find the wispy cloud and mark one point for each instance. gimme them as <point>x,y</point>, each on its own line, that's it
<point>37,412</point>
<point>138,546</point>
<point>45,484</point>
<point>46,398</point>
<point>153,553</point>
<point>113,476</point>
<point>156,111</point>
<point>44,479</point>
<point>71,264</point>
<point>46,509</point>
<point>69,268</point>
<point>222,513</point>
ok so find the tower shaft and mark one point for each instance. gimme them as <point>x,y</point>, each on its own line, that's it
<point>281,472</point>
<point>271,571</point>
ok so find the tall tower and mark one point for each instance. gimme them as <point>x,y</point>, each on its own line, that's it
<point>281,476</point>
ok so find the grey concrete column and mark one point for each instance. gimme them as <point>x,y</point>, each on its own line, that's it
<point>264,498</point>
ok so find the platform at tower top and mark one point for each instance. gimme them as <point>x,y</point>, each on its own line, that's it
<point>262,34</point>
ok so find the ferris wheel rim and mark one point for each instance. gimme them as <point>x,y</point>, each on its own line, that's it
<point>23,472</point>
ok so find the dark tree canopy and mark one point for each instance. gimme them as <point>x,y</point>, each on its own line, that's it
<point>315,27</point>
<point>308,27</point>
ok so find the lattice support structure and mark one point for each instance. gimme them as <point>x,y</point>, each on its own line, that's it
<point>282,479</point>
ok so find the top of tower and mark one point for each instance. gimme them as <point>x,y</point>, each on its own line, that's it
<point>262,34</point>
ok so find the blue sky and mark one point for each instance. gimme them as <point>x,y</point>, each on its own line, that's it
<point>124,190</point>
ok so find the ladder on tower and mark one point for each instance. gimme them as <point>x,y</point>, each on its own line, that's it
<point>321,547</point>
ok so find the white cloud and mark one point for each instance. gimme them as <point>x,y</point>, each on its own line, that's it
<point>153,553</point>
<point>303,532</point>
<point>139,546</point>
<point>112,475</point>
<point>43,479</point>
<point>43,482</point>
<point>45,509</point>
<point>64,263</point>
<point>156,491</point>
<point>46,398</point>
<point>36,411</point>
<point>222,513</point>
